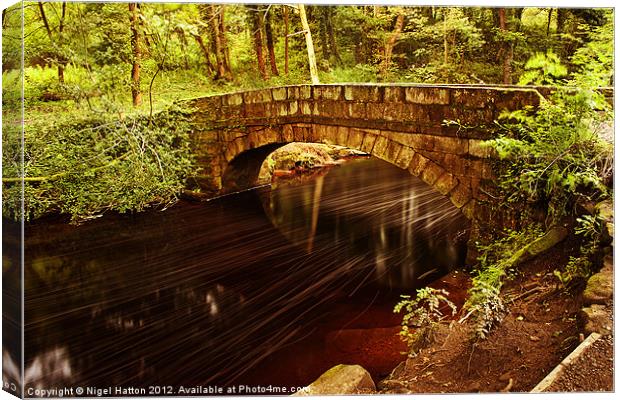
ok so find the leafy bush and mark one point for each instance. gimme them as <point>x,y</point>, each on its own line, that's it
<point>423,313</point>
<point>87,166</point>
<point>494,266</point>
<point>590,229</point>
<point>555,156</point>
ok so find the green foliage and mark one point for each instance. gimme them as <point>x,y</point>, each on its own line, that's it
<point>590,229</point>
<point>543,69</point>
<point>555,156</point>
<point>87,166</point>
<point>493,268</point>
<point>595,60</point>
<point>422,314</point>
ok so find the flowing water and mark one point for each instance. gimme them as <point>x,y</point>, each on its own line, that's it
<point>268,286</point>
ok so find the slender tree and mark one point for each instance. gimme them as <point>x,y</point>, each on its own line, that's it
<point>56,41</point>
<point>269,39</point>
<point>314,73</point>
<point>136,94</point>
<point>257,33</point>
<point>389,46</point>
<point>286,40</point>
<point>221,71</point>
<point>507,51</point>
<point>205,53</point>
<point>332,38</point>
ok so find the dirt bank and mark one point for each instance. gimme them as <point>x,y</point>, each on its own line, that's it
<point>540,330</point>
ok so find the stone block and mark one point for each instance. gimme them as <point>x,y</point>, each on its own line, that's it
<point>461,194</point>
<point>342,135</point>
<point>270,135</point>
<point>375,111</point>
<point>450,145</point>
<point>305,92</point>
<point>362,93</point>
<point>393,94</point>
<point>287,133</point>
<point>357,110</point>
<point>279,94</point>
<point>355,139</point>
<point>392,151</point>
<point>469,209</point>
<point>446,183</point>
<point>393,112</point>
<point>380,147</point>
<point>235,99</point>
<point>305,108</point>
<point>477,148</point>
<point>473,98</point>
<point>299,133</point>
<point>257,96</point>
<point>254,110</point>
<point>293,108</point>
<point>282,109</point>
<point>330,134</point>
<point>369,142</point>
<point>417,165</point>
<point>457,165</point>
<point>327,92</point>
<point>292,93</point>
<point>315,109</point>
<point>423,95</point>
<point>404,157</point>
<point>431,173</point>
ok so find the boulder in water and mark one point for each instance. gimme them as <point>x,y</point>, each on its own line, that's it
<point>341,379</point>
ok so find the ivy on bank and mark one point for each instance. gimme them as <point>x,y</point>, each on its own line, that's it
<point>97,163</point>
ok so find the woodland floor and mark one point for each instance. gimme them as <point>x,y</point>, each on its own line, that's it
<point>540,330</point>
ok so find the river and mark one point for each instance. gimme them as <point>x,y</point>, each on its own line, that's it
<point>269,286</point>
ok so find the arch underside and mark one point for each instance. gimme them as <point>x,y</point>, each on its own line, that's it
<point>454,167</point>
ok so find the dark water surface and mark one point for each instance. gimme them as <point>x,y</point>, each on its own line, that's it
<point>269,286</point>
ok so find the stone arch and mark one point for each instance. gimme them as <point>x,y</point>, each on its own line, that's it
<point>244,155</point>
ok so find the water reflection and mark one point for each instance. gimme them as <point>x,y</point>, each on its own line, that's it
<point>203,293</point>
<point>404,229</point>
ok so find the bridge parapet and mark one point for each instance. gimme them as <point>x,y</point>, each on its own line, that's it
<point>395,107</point>
<point>404,124</point>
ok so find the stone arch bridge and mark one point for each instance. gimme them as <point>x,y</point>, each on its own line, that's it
<point>401,124</point>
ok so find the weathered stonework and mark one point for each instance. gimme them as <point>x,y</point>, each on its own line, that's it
<point>402,124</point>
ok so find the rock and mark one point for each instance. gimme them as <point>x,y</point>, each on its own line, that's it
<point>473,388</point>
<point>505,377</point>
<point>341,379</point>
<point>596,319</point>
<point>606,210</point>
<point>600,287</point>
<point>394,386</point>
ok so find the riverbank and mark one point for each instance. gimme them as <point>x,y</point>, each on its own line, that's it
<point>544,326</point>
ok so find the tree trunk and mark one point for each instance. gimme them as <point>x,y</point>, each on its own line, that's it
<point>136,95</point>
<point>549,19</point>
<point>257,32</point>
<point>445,37</point>
<point>507,48</point>
<point>314,73</point>
<point>269,38</point>
<point>205,52</point>
<point>323,33</point>
<point>389,46</point>
<point>561,15</point>
<point>220,67</point>
<point>59,59</point>
<point>332,39</point>
<point>224,42</point>
<point>286,40</point>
